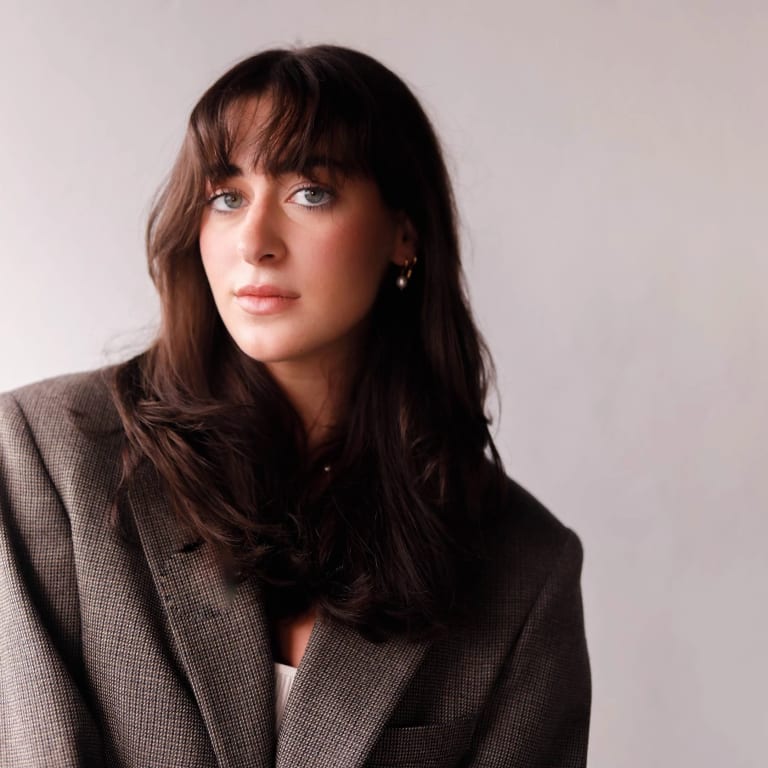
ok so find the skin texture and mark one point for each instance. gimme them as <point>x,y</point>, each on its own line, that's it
<point>291,636</point>
<point>329,246</point>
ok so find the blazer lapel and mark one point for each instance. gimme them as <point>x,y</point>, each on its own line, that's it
<point>220,630</point>
<point>344,692</point>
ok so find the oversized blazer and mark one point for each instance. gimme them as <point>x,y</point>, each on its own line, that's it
<point>133,650</point>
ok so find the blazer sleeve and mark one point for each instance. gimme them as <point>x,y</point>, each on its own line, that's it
<point>538,713</point>
<point>44,717</point>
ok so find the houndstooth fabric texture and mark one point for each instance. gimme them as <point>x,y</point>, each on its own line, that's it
<point>133,650</point>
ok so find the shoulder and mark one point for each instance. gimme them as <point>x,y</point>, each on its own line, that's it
<point>524,519</point>
<point>63,428</point>
<point>87,391</point>
<point>55,407</point>
<point>527,548</point>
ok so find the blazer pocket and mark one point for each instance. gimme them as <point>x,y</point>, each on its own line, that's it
<point>436,745</point>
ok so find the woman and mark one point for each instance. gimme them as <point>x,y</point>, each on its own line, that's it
<point>294,488</point>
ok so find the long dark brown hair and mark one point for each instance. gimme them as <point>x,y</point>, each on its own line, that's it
<point>387,539</point>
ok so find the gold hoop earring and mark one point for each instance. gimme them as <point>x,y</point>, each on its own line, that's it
<point>405,273</point>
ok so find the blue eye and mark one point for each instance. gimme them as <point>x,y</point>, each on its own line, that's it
<point>312,197</point>
<point>226,201</point>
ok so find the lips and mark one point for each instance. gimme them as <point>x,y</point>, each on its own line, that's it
<point>266,291</point>
<point>265,299</point>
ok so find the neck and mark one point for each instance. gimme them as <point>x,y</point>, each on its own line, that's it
<point>320,397</point>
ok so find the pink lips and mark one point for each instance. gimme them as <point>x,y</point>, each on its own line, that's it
<point>264,299</point>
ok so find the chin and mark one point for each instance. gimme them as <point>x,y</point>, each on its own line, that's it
<point>267,354</point>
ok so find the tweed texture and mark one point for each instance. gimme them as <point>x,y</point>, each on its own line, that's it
<point>135,651</point>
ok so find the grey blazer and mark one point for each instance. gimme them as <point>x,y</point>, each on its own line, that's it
<point>134,651</point>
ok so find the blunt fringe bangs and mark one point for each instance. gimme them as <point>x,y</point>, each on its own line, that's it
<point>388,542</point>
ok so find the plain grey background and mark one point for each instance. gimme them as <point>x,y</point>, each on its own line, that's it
<point>611,170</point>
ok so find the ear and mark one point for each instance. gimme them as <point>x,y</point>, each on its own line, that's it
<point>406,240</point>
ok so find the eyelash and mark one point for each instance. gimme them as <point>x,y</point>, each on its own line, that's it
<point>219,194</point>
<point>222,193</point>
<point>316,188</point>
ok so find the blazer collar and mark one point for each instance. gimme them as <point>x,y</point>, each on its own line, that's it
<point>345,688</point>
<point>220,630</point>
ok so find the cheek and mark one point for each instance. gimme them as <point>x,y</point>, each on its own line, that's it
<point>349,281</point>
<point>214,265</point>
<point>360,255</point>
<point>208,269</point>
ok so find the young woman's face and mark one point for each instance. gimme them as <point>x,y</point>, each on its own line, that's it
<point>295,263</point>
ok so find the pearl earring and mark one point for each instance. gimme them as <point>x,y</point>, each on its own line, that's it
<point>405,274</point>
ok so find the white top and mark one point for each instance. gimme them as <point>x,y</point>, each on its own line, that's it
<point>283,682</point>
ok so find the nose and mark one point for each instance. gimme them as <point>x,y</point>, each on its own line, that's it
<point>260,235</point>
